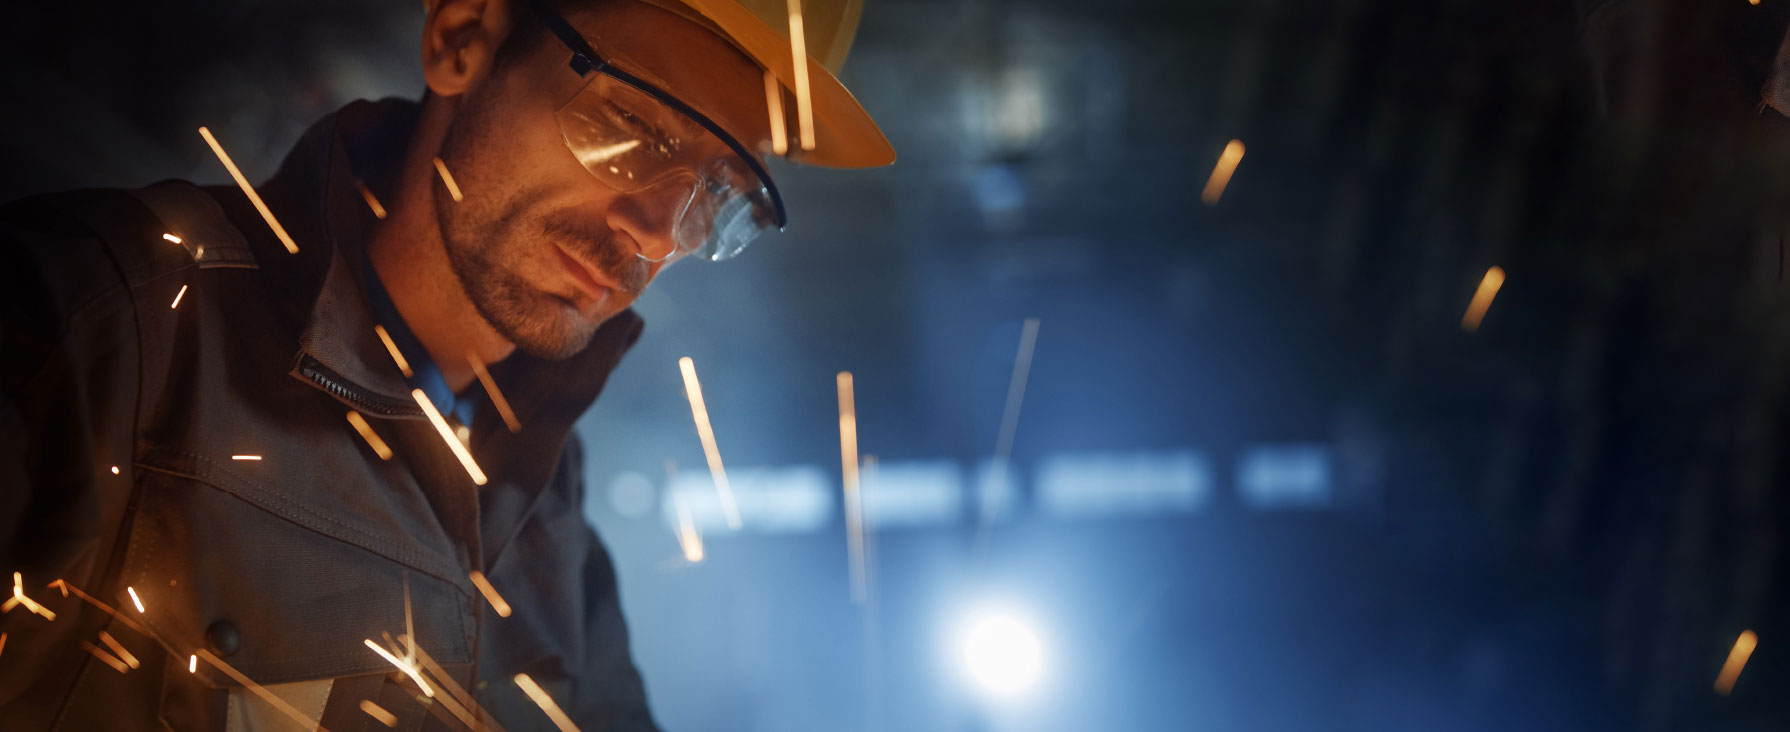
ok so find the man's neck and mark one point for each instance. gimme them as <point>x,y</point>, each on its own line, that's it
<point>411,262</point>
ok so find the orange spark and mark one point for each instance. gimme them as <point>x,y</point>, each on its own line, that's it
<point>535,692</point>
<point>687,538</point>
<point>392,347</point>
<point>693,390</point>
<point>192,663</point>
<point>491,596</point>
<point>114,470</point>
<point>447,435</point>
<point>265,695</point>
<point>19,598</point>
<point>456,701</point>
<point>1221,173</point>
<point>134,599</point>
<point>118,650</point>
<point>1482,298</point>
<point>177,297</point>
<point>249,190</point>
<point>245,457</point>
<point>2,642</point>
<point>372,203</point>
<point>381,449</point>
<point>374,710</point>
<point>409,668</point>
<point>448,178</point>
<point>94,601</point>
<point>104,656</point>
<point>773,98</point>
<point>502,404</point>
<point>1737,658</point>
<point>848,461</point>
<point>172,238</point>
<point>798,48</point>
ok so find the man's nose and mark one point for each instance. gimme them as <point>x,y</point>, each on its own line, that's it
<point>650,217</point>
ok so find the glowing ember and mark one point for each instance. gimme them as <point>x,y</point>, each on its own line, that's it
<point>1221,173</point>
<point>491,596</point>
<point>172,238</point>
<point>378,712</point>
<point>1737,658</point>
<point>118,650</point>
<point>381,449</point>
<point>249,191</point>
<point>693,390</point>
<point>192,663</point>
<point>798,47</point>
<point>448,179</point>
<point>114,470</point>
<point>177,297</point>
<point>372,203</point>
<point>407,667</point>
<point>1482,298</point>
<point>848,461</point>
<point>502,404</point>
<point>392,348</point>
<point>245,457</point>
<point>134,599</point>
<point>104,656</point>
<point>535,692</point>
<point>773,98</point>
<point>447,435</point>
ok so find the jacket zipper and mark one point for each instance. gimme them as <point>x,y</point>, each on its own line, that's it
<point>338,387</point>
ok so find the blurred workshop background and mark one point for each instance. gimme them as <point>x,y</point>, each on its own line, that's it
<point>1140,451</point>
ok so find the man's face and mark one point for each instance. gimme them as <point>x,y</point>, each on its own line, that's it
<point>544,250</point>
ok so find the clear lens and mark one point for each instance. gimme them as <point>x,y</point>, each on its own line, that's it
<point>633,142</point>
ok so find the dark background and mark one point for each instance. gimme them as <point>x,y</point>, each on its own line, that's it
<point>1558,522</point>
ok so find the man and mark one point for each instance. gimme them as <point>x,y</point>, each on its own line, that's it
<point>254,472</point>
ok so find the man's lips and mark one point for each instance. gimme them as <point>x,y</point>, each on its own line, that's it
<point>589,278</point>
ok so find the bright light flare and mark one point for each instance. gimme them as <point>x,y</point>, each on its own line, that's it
<point>798,47</point>
<point>497,400</point>
<point>535,692</point>
<point>1482,298</point>
<point>1737,658</point>
<point>172,238</point>
<point>378,712</point>
<point>1221,173</point>
<point>408,667</point>
<point>177,297</point>
<point>248,190</point>
<point>447,435</point>
<point>491,596</point>
<point>448,179</point>
<point>848,464</point>
<point>192,663</point>
<point>773,99</point>
<point>700,412</point>
<point>114,470</point>
<point>381,449</point>
<point>250,458</point>
<point>134,599</point>
<point>1002,654</point>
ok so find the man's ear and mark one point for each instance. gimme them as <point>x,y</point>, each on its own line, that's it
<point>460,42</point>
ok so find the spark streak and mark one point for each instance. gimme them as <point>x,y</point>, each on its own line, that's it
<point>104,656</point>
<point>177,297</point>
<point>491,596</point>
<point>1221,173</point>
<point>798,48</point>
<point>267,696</point>
<point>381,449</point>
<point>372,203</point>
<point>392,347</point>
<point>19,598</point>
<point>1482,298</point>
<point>172,238</point>
<point>773,99</point>
<point>2,642</point>
<point>378,712</point>
<point>448,178</point>
<point>540,697</point>
<point>119,650</point>
<point>249,191</point>
<point>447,435</point>
<point>134,599</point>
<point>409,668</point>
<point>1737,658</point>
<point>687,538</point>
<point>245,457</point>
<point>192,663</point>
<point>457,701</point>
<point>490,384</point>
<point>94,601</point>
<point>693,390</point>
<point>848,462</point>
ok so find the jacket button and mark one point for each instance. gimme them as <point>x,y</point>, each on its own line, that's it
<point>223,638</point>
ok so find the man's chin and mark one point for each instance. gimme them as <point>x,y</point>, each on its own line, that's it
<point>556,337</point>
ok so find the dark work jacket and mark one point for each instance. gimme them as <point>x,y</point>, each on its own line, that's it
<point>282,567</point>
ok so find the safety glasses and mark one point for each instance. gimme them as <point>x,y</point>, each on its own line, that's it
<point>637,139</point>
